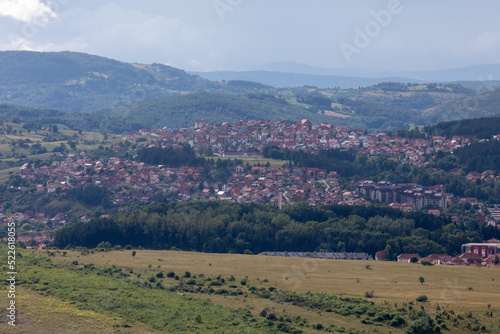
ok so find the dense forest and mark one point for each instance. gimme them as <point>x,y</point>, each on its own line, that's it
<point>345,162</point>
<point>222,227</point>
<point>174,157</point>
<point>480,157</point>
<point>481,128</point>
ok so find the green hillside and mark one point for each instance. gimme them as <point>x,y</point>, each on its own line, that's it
<point>78,82</point>
<point>483,105</point>
<point>173,111</point>
<point>185,110</point>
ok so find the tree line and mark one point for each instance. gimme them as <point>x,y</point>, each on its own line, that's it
<point>225,227</point>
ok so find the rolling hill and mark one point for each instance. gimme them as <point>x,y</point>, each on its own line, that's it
<point>78,82</point>
<point>95,93</point>
<point>482,105</point>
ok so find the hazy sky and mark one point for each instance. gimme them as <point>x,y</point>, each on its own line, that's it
<point>238,34</point>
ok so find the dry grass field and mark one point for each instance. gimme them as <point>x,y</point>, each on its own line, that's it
<point>460,289</point>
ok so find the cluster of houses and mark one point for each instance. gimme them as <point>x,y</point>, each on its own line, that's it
<point>131,180</point>
<point>486,253</point>
<point>135,181</point>
<point>250,135</point>
<point>37,240</point>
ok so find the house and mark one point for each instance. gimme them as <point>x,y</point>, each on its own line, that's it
<point>492,259</point>
<point>407,257</point>
<point>381,255</point>
<point>438,258</point>
<point>85,219</point>
<point>434,212</point>
<point>467,259</point>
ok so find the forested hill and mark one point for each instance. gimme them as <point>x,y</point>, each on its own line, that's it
<point>76,82</point>
<point>174,111</point>
<point>483,105</point>
<point>221,227</point>
<point>178,111</point>
<point>482,128</point>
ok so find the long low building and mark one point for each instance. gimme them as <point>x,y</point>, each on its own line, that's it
<point>322,255</point>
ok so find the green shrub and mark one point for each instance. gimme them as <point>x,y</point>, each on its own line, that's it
<point>318,327</point>
<point>104,244</point>
<point>426,263</point>
<point>422,298</point>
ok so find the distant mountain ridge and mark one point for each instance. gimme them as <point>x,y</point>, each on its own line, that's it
<point>283,79</point>
<point>291,74</point>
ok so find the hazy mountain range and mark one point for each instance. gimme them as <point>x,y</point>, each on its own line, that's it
<point>290,74</point>
<point>96,93</point>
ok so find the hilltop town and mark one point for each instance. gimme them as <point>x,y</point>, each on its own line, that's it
<point>131,181</point>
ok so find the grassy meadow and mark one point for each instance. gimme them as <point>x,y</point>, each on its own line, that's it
<point>466,288</point>
<point>468,296</point>
<point>48,315</point>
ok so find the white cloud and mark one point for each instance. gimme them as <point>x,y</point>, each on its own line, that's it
<point>33,11</point>
<point>487,41</point>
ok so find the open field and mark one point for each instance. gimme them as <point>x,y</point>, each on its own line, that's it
<point>6,173</point>
<point>255,161</point>
<point>457,289</point>
<point>336,114</point>
<point>20,145</point>
<point>390,281</point>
